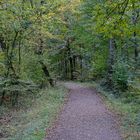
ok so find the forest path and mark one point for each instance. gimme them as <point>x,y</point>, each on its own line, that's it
<point>84,117</point>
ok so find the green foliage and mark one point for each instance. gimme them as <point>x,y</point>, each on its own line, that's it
<point>125,107</point>
<point>34,31</point>
<point>78,40</point>
<point>33,116</point>
<point>99,64</point>
<point>11,89</point>
<point>121,75</point>
<point>32,69</point>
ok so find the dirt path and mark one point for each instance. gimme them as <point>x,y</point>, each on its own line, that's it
<point>84,118</point>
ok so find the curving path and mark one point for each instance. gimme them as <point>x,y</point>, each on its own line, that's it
<point>84,117</point>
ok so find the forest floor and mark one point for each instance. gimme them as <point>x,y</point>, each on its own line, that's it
<point>83,113</point>
<point>33,114</point>
<point>85,117</point>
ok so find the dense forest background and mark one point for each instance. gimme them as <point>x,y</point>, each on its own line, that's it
<point>44,41</point>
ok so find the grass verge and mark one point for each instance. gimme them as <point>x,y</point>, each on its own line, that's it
<point>30,123</point>
<point>127,106</point>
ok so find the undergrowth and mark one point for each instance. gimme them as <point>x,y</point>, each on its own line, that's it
<point>127,106</point>
<point>30,121</point>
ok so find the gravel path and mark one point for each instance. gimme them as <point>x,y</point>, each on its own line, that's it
<point>84,117</point>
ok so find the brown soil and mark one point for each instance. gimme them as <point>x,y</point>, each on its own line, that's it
<point>85,117</point>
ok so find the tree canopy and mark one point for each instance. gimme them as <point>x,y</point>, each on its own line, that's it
<point>43,40</point>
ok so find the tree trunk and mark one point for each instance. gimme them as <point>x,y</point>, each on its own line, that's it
<point>2,44</point>
<point>111,55</point>
<point>2,98</point>
<point>111,61</point>
<point>81,68</point>
<point>74,63</point>
<point>10,57</point>
<point>66,70</point>
<point>70,59</point>
<point>46,72</point>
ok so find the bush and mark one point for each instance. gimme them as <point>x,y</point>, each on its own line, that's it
<point>121,75</point>
<point>11,89</point>
<point>99,65</point>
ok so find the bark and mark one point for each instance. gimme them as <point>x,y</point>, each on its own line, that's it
<point>81,67</point>
<point>70,59</point>
<point>39,52</point>
<point>2,44</point>
<point>2,98</point>
<point>71,68</point>
<point>66,70</point>
<point>19,55</point>
<point>46,72</point>
<point>111,62</point>
<point>111,55</point>
<point>74,63</point>
<point>9,57</point>
<point>60,67</point>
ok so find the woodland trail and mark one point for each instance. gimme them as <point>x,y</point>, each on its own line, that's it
<point>84,117</point>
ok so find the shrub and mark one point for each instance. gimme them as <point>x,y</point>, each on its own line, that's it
<point>121,75</point>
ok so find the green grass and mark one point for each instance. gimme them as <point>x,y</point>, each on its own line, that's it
<point>127,107</point>
<point>38,112</point>
<point>30,123</point>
